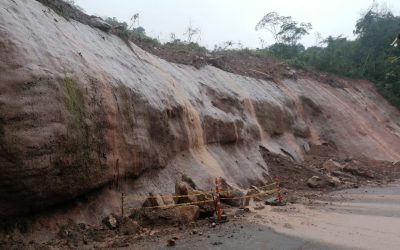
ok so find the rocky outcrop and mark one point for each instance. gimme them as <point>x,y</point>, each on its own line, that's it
<point>80,109</point>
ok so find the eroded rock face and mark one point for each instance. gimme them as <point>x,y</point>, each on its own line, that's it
<point>79,109</point>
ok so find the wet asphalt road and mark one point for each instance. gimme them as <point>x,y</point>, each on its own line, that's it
<point>235,236</point>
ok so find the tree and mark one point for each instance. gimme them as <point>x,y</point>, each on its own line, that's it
<point>134,21</point>
<point>272,22</point>
<point>318,38</point>
<point>291,31</point>
<point>283,28</point>
<point>191,32</point>
<point>369,56</point>
<point>262,42</point>
<point>73,4</point>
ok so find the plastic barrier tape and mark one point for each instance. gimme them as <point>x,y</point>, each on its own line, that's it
<point>173,205</point>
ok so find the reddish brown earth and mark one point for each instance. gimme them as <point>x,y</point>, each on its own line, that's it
<point>81,111</point>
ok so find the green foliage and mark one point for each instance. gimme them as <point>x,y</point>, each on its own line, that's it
<point>137,35</point>
<point>369,56</point>
<point>183,47</point>
<point>285,51</point>
<point>73,4</point>
<point>80,135</point>
<point>75,102</point>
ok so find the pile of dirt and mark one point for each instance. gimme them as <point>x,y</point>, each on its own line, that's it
<point>323,162</point>
<point>84,236</point>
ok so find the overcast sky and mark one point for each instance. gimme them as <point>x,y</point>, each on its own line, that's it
<point>233,20</point>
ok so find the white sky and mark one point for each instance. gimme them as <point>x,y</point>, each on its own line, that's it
<point>234,20</point>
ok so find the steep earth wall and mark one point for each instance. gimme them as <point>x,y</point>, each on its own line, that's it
<point>79,107</point>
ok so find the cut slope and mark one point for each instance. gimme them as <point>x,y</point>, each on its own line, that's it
<point>80,109</point>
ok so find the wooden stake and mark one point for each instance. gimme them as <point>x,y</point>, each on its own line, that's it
<point>278,186</point>
<point>218,203</point>
<point>122,204</point>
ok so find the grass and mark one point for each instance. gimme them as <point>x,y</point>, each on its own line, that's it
<point>75,102</point>
<point>75,105</point>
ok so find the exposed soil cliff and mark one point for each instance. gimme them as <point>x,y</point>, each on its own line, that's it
<point>80,109</point>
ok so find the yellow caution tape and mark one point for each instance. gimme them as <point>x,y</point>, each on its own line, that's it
<point>171,205</point>
<point>247,190</point>
<point>249,196</point>
<point>138,197</point>
<point>205,201</point>
<point>272,184</point>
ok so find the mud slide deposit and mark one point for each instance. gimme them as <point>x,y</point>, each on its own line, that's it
<point>80,108</point>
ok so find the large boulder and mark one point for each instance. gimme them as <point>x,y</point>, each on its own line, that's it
<point>197,197</point>
<point>230,195</point>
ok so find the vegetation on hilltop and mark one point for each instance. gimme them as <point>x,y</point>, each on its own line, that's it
<point>368,56</point>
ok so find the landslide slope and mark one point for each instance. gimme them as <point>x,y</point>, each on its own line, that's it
<point>80,108</point>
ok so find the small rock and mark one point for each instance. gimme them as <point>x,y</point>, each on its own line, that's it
<point>194,231</point>
<point>287,225</point>
<point>273,201</point>
<point>306,147</point>
<point>83,226</point>
<point>259,207</point>
<point>213,224</point>
<point>331,165</point>
<point>348,159</point>
<point>343,175</point>
<point>171,242</point>
<point>246,209</point>
<point>175,238</point>
<point>217,243</point>
<point>357,172</point>
<point>171,215</point>
<point>110,221</point>
<point>334,181</point>
<point>314,182</point>
<point>128,227</point>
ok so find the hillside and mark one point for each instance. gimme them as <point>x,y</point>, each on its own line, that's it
<point>79,108</point>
